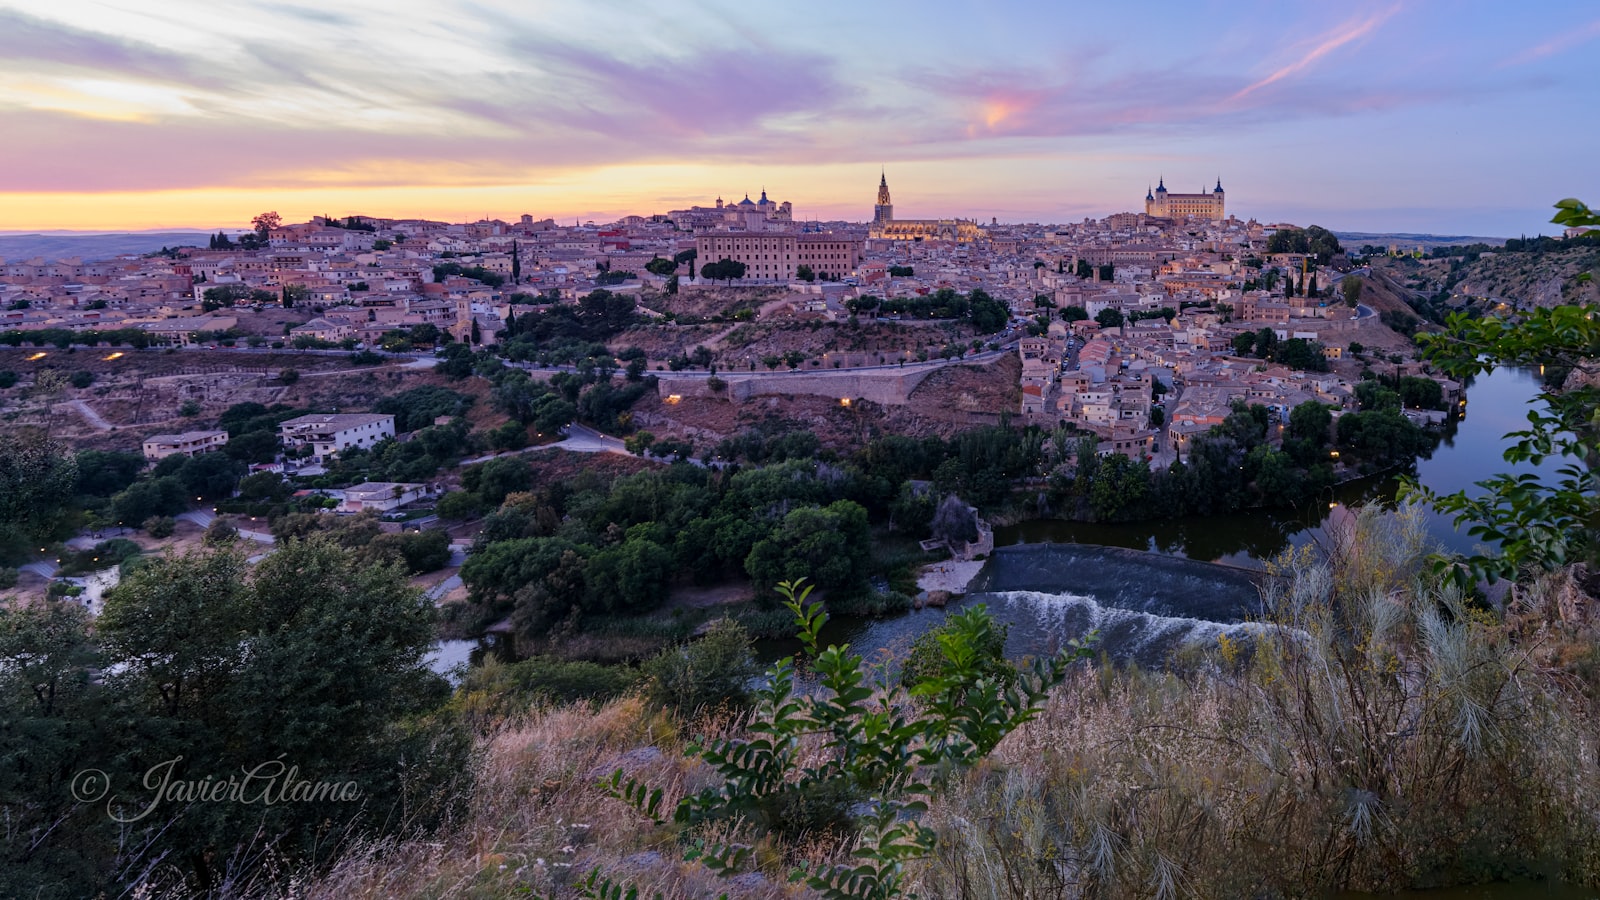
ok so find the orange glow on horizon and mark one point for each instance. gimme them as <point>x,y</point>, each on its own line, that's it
<point>823,192</point>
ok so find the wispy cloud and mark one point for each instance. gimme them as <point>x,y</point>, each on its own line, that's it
<point>29,43</point>
<point>1308,56</point>
<point>1554,46</point>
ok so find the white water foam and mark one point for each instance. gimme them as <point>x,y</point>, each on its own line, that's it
<point>1124,633</point>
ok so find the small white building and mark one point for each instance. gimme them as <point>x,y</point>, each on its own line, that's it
<point>382,496</point>
<point>189,443</point>
<point>328,434</point>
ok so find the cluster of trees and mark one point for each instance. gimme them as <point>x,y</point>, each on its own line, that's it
<point>401,340</point>
<point>986,314</point>
<point>201,668</point>
<point>1232,467</point>
<point>590,394</point>
<point>225,295</point>
<point>582,553</point>
<point>420,407</point>
<point>595,318</point>
<point>63,338</point>
<point>416,552</point>
<point>477,273</point>
<point>723,270</point>
<point>1314,240</point>
<point>901,271</point>
<point>1296,353</point>
<point>585,551</point>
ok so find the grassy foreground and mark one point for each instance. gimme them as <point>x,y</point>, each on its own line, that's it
<point>1380,734</point>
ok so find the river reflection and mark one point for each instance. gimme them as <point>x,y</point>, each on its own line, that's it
<point>1470,452</point>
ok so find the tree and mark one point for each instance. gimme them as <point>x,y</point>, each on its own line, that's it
<point>954,522</point>
<point>102,473</point>
<point>659,266</point>
<point>1310,421</point>
<point>724,269</point>
<point>1351,288</point>
<point>686,256</point>
<point>264,223</point>
<point>834,542</point>
<point>1074,314</point>
<point>37,481</point>
<point>516,263</point>
<point>459,506</point>
<point>804,273</point>
<point>1109,318</point>
<point>312,657</point>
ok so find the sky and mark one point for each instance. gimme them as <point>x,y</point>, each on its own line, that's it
<point>1449,117</point>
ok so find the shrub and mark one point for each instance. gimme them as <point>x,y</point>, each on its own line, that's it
<point>8,578</point>
<point>220,533</point>
<point>459,506</point>
<point>712,671</point>
<point>160,526</point>
<point>103,555</point>
<point>498,690</point>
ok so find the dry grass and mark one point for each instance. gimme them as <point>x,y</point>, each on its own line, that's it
<point>1383,736</point>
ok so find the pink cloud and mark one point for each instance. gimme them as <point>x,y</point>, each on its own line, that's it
<point>1345,34</point>
<point>1554,46</point>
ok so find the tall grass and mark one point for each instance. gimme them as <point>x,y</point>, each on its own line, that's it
<point>1383,735</point>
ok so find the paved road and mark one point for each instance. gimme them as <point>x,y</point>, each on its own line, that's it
<point>438,591</point>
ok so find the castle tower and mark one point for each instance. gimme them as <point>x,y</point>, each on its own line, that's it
<point>883,211</point>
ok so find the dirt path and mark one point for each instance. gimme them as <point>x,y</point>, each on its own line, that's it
<point>94,419</point>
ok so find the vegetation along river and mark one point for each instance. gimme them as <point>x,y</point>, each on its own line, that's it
<point>1150,587</point>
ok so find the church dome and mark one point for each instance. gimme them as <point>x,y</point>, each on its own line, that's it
<point>746,201</point>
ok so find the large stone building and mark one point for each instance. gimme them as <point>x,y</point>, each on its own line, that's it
<point>746,214</point>
<point>1204,205</point>
<point>886,227</point>
<point>777,256</point>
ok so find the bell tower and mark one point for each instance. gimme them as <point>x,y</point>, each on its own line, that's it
<point>883,211</point>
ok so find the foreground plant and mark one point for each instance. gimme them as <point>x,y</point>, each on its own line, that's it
<point>882,758</point>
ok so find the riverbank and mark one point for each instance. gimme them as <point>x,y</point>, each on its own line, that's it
<point>950,576</point>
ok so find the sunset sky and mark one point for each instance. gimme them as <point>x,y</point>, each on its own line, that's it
<point>1447,117</point>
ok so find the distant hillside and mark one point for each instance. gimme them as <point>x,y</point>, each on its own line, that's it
<point>1408,241</point>
<point>1537,278</point>
<point>18,247</point>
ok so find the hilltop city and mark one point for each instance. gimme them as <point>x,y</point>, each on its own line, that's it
<point>1142,328</point>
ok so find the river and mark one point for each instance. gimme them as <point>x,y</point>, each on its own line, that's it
<point>1048,578</point>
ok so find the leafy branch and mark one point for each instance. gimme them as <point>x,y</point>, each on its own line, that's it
<point>884,755</point>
